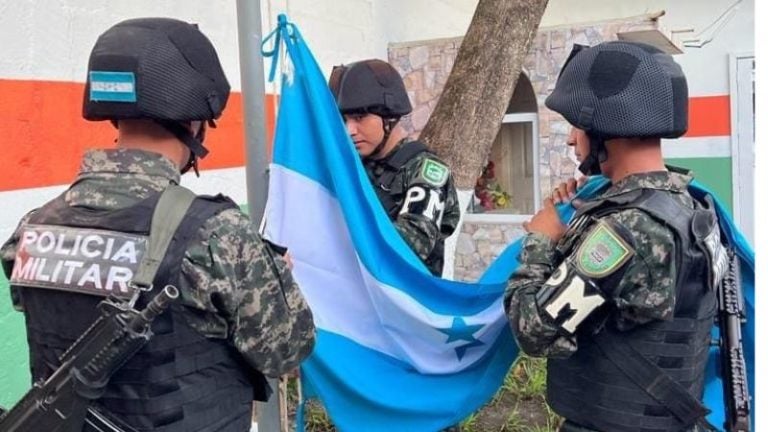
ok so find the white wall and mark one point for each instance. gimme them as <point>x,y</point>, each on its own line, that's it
<point>336,31</point>
<point>343,31</point>
<point>47,39</point>
<point>707,67</point>
<point>51,40</point>
<point>405,20</point>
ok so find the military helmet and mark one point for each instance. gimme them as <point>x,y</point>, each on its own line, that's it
<point>154,68</point>
<point>369,86</point>
<point>622,89</point>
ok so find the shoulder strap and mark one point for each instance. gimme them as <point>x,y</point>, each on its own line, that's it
<point>383,182</point>
<point>662,207</point>
<point>169,212</point>
<point>600,205</point>
<point>203,208</point>
<point>657,204</point>
<point>406,152</point>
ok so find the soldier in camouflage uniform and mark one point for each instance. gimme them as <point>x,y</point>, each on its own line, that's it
<point>239,313</point>
<point>621,301</point>
<point>414,186</point>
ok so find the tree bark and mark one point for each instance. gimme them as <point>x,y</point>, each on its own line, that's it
<point>468,115</point>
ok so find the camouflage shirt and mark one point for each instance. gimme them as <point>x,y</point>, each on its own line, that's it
<point>646,291</point>
<point>425,206</point>
<point>267,321</point>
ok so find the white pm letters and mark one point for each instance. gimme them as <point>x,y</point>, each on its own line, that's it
<point>571,296</point>
<point>414,203</point>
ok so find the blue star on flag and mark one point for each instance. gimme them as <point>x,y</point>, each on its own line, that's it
<point>460,331</point>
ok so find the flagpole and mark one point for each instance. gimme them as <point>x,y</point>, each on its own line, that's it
<point>252,82</point>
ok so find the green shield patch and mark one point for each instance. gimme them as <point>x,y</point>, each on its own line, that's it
<point>602,252</point>
<point>434,173</point>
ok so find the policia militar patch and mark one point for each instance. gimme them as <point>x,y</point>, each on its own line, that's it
<point>603,252</point>
<point>82,260</point>
<point>434,172</point>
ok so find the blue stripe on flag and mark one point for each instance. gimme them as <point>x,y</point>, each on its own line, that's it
<point>404,399</point>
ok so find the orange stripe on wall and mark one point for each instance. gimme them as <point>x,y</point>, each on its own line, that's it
<point>709,116</point>
<point>44,135</point>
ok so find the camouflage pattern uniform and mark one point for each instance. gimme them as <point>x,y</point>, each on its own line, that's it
<point>267,321</point>
<point>639,301</point>
<point>645,292</point>
<point>424,230</point>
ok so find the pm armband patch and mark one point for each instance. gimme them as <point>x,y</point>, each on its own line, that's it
<point>568,299</point>
<point>603,252</point>
<point>434,172</point>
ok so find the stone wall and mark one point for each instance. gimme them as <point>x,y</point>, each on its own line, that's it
<point>425,66</point>
<point>479,244</point>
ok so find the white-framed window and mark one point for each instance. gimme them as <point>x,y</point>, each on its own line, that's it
<point>742,77</point>
<point>507,190</point>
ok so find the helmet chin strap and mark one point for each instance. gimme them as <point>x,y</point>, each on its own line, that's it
<point>191,164</point>
<point>388,124</point>
<point>597,154</point>
<point>193,142</point>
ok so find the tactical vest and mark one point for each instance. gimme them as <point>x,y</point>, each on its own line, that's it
<point>180,380</point>
<point>588,388</point>
<point>383,174</point>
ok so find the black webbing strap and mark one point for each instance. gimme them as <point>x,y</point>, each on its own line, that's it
<point>651,379</point>
<point>184,135</point>
<point>383,183</point>
<point>169,212</point>
<point>405,152</point>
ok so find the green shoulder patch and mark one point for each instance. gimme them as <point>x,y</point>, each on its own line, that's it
<point>434,172</point>
<point>603,252</point>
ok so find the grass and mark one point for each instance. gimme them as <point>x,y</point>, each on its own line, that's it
<point>518,406</point>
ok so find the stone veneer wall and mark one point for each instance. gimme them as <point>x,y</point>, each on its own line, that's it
<point>479,244</point>
<point>425,66</point>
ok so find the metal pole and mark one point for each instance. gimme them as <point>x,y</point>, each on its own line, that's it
<point>252,81</point>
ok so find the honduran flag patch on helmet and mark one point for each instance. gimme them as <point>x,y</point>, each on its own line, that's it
<point>112,86</point>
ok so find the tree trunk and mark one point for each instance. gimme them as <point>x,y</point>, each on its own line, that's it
<point>468,115</point>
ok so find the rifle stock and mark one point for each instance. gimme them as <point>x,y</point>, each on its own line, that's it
<point>60,403</point>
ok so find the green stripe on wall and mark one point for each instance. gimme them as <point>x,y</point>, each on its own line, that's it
<point>14,353</point>
<point>714,173</point>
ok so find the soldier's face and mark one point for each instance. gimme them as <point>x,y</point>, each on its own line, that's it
<point>579,140</point>
<point>366,130</point>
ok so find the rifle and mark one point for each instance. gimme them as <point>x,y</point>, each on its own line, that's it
<point>62,403</point>
<point>731,315</point>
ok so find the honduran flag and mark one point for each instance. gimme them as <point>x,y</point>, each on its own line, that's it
<point>397,348</point>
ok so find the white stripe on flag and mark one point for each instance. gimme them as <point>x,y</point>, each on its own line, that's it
<point>346,299</point>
